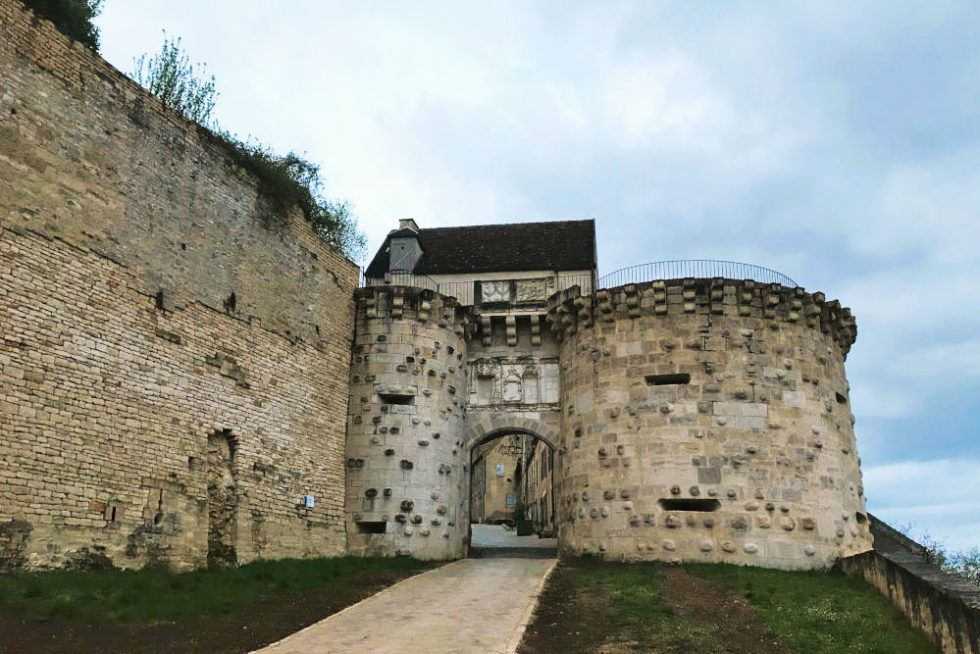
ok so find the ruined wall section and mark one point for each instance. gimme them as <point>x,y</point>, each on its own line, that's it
<point>708,420</point>
<point>407,474</point>
<point>107,406</point>
<point>150,298</point>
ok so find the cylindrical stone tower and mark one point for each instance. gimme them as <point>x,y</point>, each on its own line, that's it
<point>708,420</point>
<point>406,478</point>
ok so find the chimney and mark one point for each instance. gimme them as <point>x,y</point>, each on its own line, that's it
<point>404,250</point>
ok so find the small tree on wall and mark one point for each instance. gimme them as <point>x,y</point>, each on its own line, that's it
<point>170,76</point>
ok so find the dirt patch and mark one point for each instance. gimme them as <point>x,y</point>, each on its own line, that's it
<point>566,619</point>
<point>594,607</point>
<point>259,624</point>
<point>737,622</point>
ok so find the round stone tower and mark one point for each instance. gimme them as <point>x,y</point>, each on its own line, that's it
<point>708,420</point>
<point>406,478</point>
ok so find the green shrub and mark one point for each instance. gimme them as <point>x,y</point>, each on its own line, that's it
<point>73,18</point>
<point>964,563</point>
<point>291,181</point>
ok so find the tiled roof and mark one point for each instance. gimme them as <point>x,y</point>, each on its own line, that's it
<point>558,245</point>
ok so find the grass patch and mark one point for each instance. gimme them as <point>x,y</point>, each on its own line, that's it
<point>820,612</point>
<point>632,608</point>
<point>155,594</point>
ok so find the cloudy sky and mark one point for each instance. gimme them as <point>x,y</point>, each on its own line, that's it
<point>836,142</point>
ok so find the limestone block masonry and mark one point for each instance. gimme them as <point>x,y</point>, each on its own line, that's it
<point>407,467</point>
<point>708,420</point>
<point>173,352</point>
<point>700,420</point>
<point>178,356</point>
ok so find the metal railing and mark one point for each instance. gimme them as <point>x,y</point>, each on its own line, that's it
<point>585,281</point>
<point>697,268</point>
<point>464,291</point>
<point>402,279</point>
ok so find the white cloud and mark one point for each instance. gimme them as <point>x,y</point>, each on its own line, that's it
<point>939,497</point>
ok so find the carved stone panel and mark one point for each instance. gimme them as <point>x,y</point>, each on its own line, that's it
<point>531,290</point>
<point>513,381</point>
<point>498,291</point>
<point>485,369</point>
<point>513,386</point>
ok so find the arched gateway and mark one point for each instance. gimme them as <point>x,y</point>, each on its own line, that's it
<point>429,383</point>
<point>696,418</point>
<point>494,424</point>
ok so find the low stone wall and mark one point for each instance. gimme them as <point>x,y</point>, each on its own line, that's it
<point>944,607</point>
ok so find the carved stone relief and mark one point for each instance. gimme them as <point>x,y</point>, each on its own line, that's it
<point>510,381</point>
<point>498,291</point>
<point>531,290</point>
<point>513,386</point>
<point>531,390</point>
<point>485,369</point>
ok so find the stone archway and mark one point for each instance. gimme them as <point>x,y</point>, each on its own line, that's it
<point>487,426</point>
<point>490,425</point>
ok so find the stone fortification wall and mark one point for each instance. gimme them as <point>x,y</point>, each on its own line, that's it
<point>174,353</point>
<point>407,473</point>
<point>708,420</point>
<point>91,158</point>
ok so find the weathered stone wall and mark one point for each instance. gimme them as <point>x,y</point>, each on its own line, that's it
<point>539,488</point>
<point>88,156</point>
<point>151,301</point>
<point>106,410</point>
<point>478,488</point>
<point>745,453</point>
<point>407,472</point>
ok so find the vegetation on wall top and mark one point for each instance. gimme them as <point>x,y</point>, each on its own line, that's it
<point>289,180</point>
<point>170,76</point>
<point>73,18</point>
<point>284,180</point>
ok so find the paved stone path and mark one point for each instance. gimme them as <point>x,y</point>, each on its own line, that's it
<point>498,536</point>
<point>471,606</point>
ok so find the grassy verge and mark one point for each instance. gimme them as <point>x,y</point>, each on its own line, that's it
<point>151,595</point>
<point>820,612</point>
<point>589,606</point>
<point>638,612</point>
<point>594,606</point>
